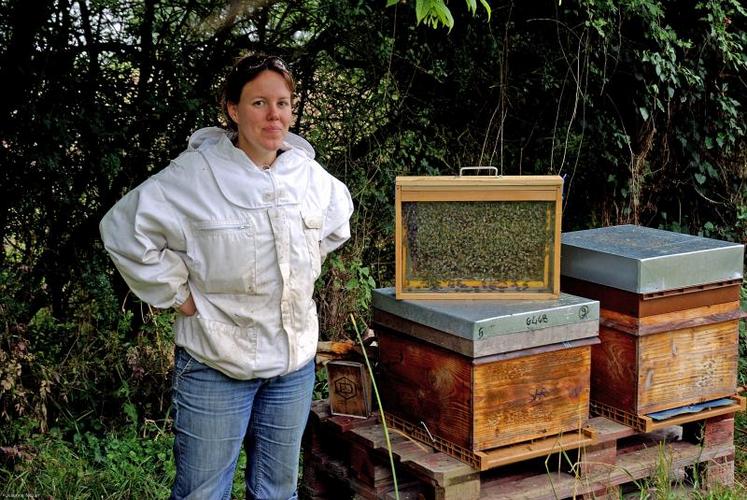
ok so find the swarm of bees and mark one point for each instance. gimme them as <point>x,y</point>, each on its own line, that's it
<point>478,246</point>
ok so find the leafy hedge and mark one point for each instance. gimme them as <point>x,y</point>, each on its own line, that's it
<point>638,103</point>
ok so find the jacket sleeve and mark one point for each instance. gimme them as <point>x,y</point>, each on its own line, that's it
<point>336,223</point>
<point>139,233</point>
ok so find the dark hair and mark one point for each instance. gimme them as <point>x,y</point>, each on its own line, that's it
<point>246,69</point>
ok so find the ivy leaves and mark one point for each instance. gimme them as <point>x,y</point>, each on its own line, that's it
<point>435,13</point>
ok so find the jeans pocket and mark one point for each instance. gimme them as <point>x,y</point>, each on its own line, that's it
<point>182,361</point>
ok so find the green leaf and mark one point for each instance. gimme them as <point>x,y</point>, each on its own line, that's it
<point>444,14</point>
<point>352,284</point>
<point>710,170</point>
<point>422,9</point>
<point>700,178</point>
<point>644,112</point>
<point>486,5</point>
<point>708,143</point>
<point>390,3</point>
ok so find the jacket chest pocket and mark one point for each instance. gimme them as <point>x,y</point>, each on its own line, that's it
<point>224,253</point>
<point>312,225</point>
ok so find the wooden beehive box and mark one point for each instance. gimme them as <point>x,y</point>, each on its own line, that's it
<point>669,319</point>
<point>469,377</point>
<point>478,237</point>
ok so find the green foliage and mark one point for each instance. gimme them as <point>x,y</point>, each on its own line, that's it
<point>344,289</point>
<point>79,374</point>
<point>321,385</point>
<point>126,465</point>
<point>639,104</point>
<point>435,13</point>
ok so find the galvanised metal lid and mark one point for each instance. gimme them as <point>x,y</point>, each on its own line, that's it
<point>481,320</point>
<point>645,260</point>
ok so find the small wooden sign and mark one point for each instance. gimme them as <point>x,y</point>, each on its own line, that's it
<point>349,389</point>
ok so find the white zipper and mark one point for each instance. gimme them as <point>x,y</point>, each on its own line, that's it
<point>234,227</point>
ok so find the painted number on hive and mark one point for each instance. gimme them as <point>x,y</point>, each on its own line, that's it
<point>537,319</point>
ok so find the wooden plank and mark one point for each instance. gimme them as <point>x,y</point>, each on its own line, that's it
<point>467,182</point>
<point>643,305</point>
<point>441,469</point>
<point>607,430</point>
<point>598,456</point>
<point>433,467</point>
<point>424,383</point>
<point>399,243</point>
<point>555,272</point>
<point>614,369</point>
<point>503,285</point>
<point>371,437</point>
<point>530,397</point>
<point>643,423</point>
<point>424,473</point>
<point>321,414</point>
<point>541,349</point>
<point>687,366</point>
<point>676,320</point>
<point>629,467</point>
<point>537,448</point>
<point>477,194</point>
<point>425,295</point>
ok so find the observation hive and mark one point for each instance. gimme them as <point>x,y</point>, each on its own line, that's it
<point>478,236</point>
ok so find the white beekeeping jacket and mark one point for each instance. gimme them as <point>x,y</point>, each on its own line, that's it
<point>246,243</point>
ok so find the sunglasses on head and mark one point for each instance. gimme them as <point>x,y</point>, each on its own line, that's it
<point>268,62</point>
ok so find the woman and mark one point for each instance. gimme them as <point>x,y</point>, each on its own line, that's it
<point>232,234</point>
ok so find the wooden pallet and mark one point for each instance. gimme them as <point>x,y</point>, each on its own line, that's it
<point>485,460</point>
<point>643,423</point>
<point>346,457</point>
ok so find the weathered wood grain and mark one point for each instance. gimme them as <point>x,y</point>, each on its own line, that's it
<point>687,366</point>
<point>425,383</point>
<point>530,397</point>
<point>651,304</point>
<point>614,369</point>
<point>485,403</point>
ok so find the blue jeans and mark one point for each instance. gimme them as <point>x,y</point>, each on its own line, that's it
<point>215,414</point>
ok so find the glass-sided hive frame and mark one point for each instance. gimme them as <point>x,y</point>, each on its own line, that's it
<point>478,237</point>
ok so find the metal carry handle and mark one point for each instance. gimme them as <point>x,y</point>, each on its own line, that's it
<point>477,169</point>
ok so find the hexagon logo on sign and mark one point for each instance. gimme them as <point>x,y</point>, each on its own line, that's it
<point>345,388</point>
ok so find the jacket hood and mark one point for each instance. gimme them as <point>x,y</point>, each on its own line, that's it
<point>210,136</point>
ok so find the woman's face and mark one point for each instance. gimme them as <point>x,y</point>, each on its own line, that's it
<point>263,116</point>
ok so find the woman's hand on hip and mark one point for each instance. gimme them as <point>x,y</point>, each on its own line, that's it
<point>188,308</point>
